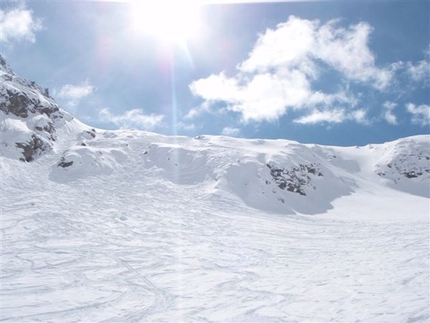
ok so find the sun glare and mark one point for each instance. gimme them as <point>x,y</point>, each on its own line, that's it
<point>167,20</point>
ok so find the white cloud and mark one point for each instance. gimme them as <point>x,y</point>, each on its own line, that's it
<point>359,116</point>
<point>18,24</point>
<point>193,113</point>
<point>265,96</point>
<point>336,115</point>
<point>72,94</point>
<point>227,131</point>
<point>418,72</point>
<point>132,119</point>
<point>185,126</point>
<point>347,51</point>
<point>333,116</point>
<point>388,114</point>
<point>282,68</point>
<point>301,44</point>
<point>216,88</point>
<point>420,114</point>
<point>288,45</point>
<point>75,92</point>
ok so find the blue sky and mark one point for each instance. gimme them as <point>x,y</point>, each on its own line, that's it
<point>332,72</point>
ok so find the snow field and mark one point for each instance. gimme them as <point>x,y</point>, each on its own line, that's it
<point>170,234</point>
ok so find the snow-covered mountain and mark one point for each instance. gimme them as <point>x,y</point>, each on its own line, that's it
<point>132,226</point>
<point>272,175</point>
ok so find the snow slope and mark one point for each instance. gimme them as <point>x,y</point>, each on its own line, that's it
<point>130,226</point>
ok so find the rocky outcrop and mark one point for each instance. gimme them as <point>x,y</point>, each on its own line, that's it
<point>23,98</point>
<point>29,114</point>
<point>294,179</point>
<point>406,160</point>
<point>63,163</point>
<point>22,104</point>
<point>35,147</point>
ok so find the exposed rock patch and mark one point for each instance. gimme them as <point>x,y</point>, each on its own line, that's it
<point>33,148</point>
<point>295,178</point>
<point>398,163</point>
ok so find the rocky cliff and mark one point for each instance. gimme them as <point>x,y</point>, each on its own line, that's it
<point>30,116</point>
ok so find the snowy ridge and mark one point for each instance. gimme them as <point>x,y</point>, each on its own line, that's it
<point>277,176</point>
<point>132,226</point>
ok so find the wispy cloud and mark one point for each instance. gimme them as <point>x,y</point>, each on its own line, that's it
<point>420,113</point>
<point>388,114</point>
<point>72,94</point>
<point>185,126</point>
<point>333,116</point>
<point>359,116</point>
<point>199,110</point>
<point>76,92</point>
<point>227,131</point>
<point>419,71</point>
<point>18,24</point>
<point>132,119</point>
<point>285,69</point>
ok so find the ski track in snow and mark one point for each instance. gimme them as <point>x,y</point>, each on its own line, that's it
<point>130,247</point>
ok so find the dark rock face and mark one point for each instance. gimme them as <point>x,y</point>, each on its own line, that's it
<point>28,101</point>
<point>294,179</point>
<point>33,148</point>
<point>31,104</point>
<point>90,134</point>
<point>412,174</point>
<point>63,163</point>
<point>16,104</point>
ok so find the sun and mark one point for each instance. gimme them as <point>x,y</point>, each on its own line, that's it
<point>166,20</point>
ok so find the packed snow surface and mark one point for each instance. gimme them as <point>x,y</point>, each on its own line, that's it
<point>127,226</point>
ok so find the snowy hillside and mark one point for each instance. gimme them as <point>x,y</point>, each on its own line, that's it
<point>131,226</point>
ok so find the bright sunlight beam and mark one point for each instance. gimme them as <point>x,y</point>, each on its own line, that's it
<point>167,20</point>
